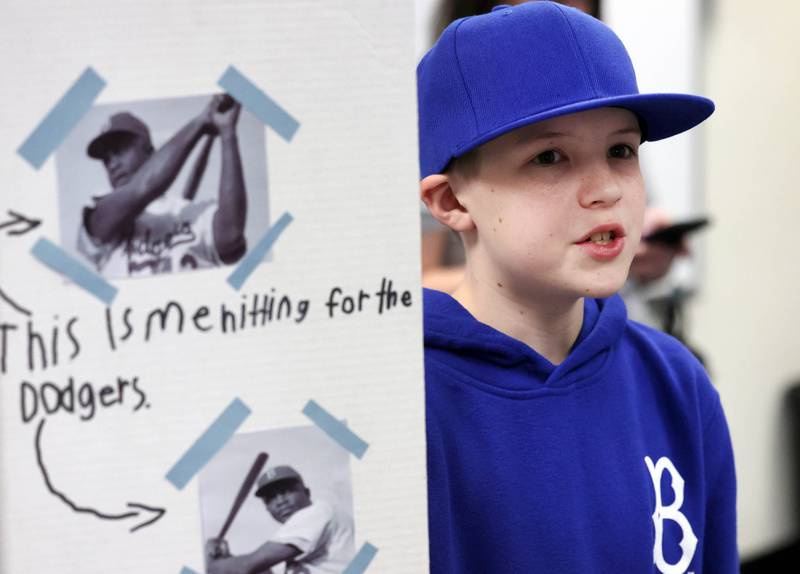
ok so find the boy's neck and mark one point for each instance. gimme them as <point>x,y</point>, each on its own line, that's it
<point>549,327</point>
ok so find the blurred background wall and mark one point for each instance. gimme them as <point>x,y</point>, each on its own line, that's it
<point>747,314</point>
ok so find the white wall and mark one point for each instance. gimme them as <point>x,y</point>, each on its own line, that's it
<point>425,13</point>
<point>662,39</point>
<point>665,44</point>
<point>747,316</point>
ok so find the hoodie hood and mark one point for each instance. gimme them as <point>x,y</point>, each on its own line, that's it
<point>483,353</point>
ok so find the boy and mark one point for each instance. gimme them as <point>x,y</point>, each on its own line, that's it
<point>561,437</point>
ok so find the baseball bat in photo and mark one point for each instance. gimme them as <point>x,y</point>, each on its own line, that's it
<point>247,485</point>
<point>199,168</point>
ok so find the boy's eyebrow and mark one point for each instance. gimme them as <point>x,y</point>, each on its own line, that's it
<point>636,130</point>
<point>532,137</point>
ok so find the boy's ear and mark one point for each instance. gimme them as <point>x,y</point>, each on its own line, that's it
<point>438,194</point>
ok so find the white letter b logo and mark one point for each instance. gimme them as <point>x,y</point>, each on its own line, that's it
<point>688,542</point>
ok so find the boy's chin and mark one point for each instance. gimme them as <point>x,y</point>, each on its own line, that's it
<point>602,290</point>
<point>600,293</point>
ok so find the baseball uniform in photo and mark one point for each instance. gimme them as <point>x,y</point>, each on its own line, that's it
<point>172,234</point>
<point>324,537</point>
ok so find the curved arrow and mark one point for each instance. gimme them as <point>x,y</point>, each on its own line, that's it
<point>139,509</point>
<point>17,307</point>
<point>24,224</point>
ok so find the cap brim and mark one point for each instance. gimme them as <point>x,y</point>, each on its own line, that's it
<point>99,144</point>
<point>661,115</point>
<point>261,490</point>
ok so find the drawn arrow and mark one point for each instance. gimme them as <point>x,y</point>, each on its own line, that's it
<point>150,513</point>
<point>19,223</point>
<point>17,307</point>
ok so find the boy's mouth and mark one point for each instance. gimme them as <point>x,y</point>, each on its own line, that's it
<point>603,238</point>
<point>603,235</point>
<point>604,243</point>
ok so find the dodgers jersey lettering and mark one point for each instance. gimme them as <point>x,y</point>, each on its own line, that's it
<point>688,543</point>
<point>172,234</point>
<point>616,460</point>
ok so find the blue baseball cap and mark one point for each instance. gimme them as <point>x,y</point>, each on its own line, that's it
<point>490,74</point>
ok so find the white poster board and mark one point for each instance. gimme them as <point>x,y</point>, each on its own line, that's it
<point>131,407</point>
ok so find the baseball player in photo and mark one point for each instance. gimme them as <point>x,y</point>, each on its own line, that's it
<point>138,228</point>
<point>313,537</point>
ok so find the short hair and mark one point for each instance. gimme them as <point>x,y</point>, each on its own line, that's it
<point>465,166</point>
<point>451,10</point>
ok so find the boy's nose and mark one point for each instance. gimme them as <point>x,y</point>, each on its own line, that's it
<point>599,188</point>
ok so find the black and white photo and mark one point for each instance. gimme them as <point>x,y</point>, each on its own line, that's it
<point>162,186</point>
<point>297,517</point>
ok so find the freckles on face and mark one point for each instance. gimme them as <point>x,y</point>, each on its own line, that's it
<point>544,189</point>
<point>525,236</point>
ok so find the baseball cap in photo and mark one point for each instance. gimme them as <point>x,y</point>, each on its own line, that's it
<point>276,474</point>
<point>490,74</point>
<point>120,124</point>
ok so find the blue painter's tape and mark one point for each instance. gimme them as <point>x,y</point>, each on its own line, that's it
<point>64,116</point>
<point>59,260</point>
<point>361,560</point>
<point>209,444</point>
<point>256,254</point>
<point>258,103</point>
<point>335,429</point>
<point>187,570</point>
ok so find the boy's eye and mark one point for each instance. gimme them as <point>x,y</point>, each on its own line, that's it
<point>548,157</point>
<point>621,151</point>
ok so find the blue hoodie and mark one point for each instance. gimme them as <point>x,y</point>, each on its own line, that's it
<point>617,461</point>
